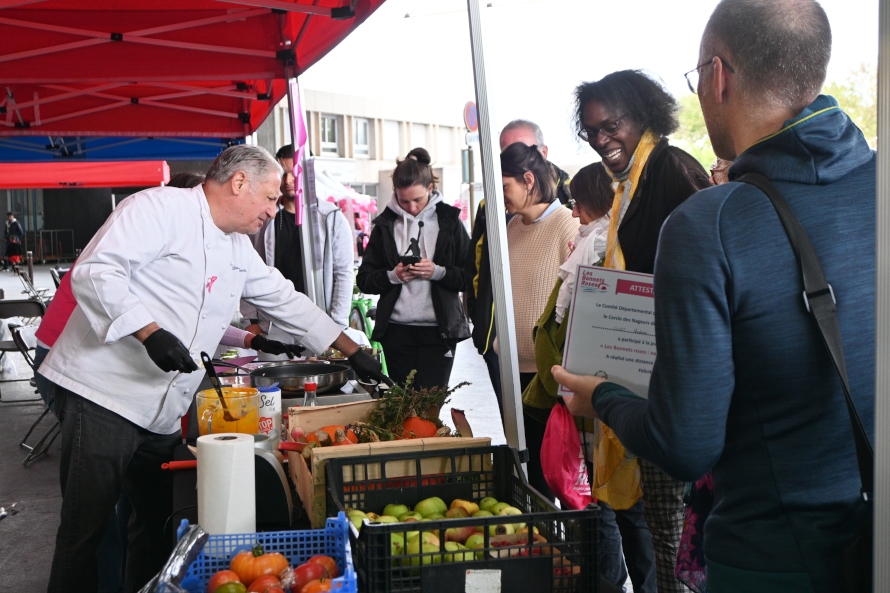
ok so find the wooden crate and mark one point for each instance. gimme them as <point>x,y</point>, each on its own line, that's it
<point>310,478</point>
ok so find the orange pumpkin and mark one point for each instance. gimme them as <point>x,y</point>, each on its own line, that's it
<point>418,428</point>
<point>249,566</point>
<point>332,430</point>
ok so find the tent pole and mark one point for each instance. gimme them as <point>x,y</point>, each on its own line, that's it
<point>882,319</point>
<point>312,266</point>
<point>496,236</point>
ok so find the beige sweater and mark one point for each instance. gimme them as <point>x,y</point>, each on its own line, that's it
<point>536,252</point>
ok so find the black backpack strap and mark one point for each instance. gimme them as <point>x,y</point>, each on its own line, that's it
<point>818,297</point>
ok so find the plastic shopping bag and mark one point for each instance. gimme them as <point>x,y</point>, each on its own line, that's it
<point>563,460</point>
<point>616,475</point>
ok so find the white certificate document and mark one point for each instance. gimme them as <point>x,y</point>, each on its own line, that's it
<point>612,328</point>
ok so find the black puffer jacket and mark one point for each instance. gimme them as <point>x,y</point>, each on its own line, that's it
<point>381,256</point>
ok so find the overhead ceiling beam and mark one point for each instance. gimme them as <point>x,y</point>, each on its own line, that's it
<point>71,94</point>
<point>280,5</point>
<point>223,18</point>
<point>53,49</point>
<point>205,91</point>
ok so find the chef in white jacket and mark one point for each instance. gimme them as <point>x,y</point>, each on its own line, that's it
<point>155,287</point>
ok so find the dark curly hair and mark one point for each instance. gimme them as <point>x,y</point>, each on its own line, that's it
<point>633,94</point>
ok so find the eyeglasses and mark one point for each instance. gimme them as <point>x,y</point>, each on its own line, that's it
<point>692,75</point>
<point>609,130</point>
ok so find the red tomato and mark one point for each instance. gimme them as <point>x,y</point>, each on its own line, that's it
<point>223,576</point>
<point>275,590</point>
<point>328,563</point>
<point>305,573</point>
<point>263,584</point>
<point>249,566</point>
<point>317,586</point>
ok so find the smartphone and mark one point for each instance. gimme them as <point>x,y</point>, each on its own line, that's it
<point>409,260</point>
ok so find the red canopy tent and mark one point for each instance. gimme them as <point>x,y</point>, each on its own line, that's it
<point>209,68</point>
<point>83,174</point>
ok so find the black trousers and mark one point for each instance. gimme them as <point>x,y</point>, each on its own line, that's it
<point>102,453</point>
<point>420,348</point>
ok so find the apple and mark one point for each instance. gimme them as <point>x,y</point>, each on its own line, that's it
<point>410,515</point>
<point>505,529</point>
<point>395,510</point>
<point>483,514</point>
<point>386,519</point>
<point>486,503</point>
<point>435,517</point>
<point>429,506</point>
<point>457,513</point>
<point>397,543</point>
<point>433,531</point>
<point>525,530</point>
<point>507,511</point>
<point>459,557</point>
<point>459,534</point>
<point>471,507</point>
<point>425,537</point>
<point>474,541</point>
<point>496,508</point>
<point>415,548</point>
<point>357,520</point>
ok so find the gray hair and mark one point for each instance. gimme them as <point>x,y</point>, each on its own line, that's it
<point>525,124</point>
<point>254,161</point>
<point>779,48</point>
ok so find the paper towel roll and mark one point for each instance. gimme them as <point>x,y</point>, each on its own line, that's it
<point>226,493</point>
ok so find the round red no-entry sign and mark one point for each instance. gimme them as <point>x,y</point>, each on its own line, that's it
<point>470,117</point>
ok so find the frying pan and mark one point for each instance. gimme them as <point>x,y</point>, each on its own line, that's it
<point>292,375</point>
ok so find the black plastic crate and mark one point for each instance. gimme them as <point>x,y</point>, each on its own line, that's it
<point>567,563</point>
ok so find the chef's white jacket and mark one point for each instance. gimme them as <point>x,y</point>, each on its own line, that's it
<point>159,257</point>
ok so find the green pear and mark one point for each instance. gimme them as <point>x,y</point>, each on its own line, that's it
<point>357,520</point>
<point>496,508</point>
<point>483,514</point>
<point>486,503</point>
<point>395,510</point>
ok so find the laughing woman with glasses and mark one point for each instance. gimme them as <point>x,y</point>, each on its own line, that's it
<point>626,118</point>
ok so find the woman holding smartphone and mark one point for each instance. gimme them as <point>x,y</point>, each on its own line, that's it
<point>414,261</point>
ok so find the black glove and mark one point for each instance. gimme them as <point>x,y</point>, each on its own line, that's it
<point>367,368</point>
<point>264,344</point>
<point>168,352</point>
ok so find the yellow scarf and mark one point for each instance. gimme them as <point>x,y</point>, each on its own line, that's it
<point>614,255</point>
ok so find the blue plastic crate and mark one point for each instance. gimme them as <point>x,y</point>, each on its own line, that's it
<point>297,547</point>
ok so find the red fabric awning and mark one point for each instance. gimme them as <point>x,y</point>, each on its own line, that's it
<point>80,174</point>
<point>211,68</point>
